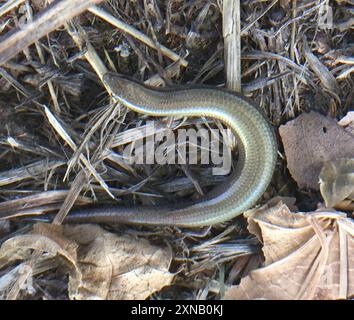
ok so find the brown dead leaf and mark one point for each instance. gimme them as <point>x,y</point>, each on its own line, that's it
<point>46,239</point>
<point>103,265</point>
<point>309,141</point>
<point>117,267</point>
<point>337,181</point>
<point>307,256</point>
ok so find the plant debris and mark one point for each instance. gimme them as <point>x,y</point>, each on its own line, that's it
<point>62,144</point>
<point>101,265</point>
<point>309,141</point>
<point>307,256</point>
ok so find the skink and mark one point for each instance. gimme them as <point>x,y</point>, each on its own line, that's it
<point>256,142</point>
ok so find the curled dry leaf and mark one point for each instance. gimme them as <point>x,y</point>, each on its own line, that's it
<point>337,181</point>
<point>309,141</point>
<point>45,238</point>
<point>103,265</point>
<point>307,256</point>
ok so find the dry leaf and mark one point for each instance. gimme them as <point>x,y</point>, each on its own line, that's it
<point>307,256</point>
<point>103,265</point>
<point>337,181</point>
<point>46,239</point>
<point>309,141</point>
<point>117,267</point>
